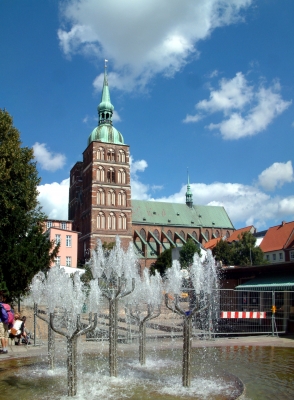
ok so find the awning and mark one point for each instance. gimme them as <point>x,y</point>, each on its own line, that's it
<point>281,283</point>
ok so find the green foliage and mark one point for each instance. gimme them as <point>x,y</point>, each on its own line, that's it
<point>242,252</point>
<point>163,262</point>
<point>23,247</point>
<point>223,252</point>
<point>187,252</point>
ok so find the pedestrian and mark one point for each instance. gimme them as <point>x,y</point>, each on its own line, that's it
<point>3,327</point>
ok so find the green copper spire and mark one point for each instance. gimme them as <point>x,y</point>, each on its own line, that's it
<point>105,108</point>
<point>189,195</point>
<point>105,132</point>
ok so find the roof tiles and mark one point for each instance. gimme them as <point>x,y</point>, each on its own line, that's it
<point>278,237</point>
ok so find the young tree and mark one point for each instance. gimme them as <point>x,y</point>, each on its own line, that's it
<point>223,252</point>
<point>244,251</point>
<point>163,262</point>
<point>24,248</point>
<point>187,252</point>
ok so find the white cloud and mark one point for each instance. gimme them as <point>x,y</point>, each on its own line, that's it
<point>53,197</point>
<point>246,111</point>
<point>276,175</point>
<point>143,38</point>
<point>48,160</point>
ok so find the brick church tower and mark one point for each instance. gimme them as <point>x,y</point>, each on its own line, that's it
<point>100,189</point>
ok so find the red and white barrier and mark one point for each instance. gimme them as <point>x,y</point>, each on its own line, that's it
<point>243,314</point>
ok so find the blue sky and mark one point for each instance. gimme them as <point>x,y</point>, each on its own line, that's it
<point>206,85</point>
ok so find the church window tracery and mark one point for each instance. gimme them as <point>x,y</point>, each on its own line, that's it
<point>110,155</point>
<point>100,153</point>
<point>121,176</point>
<point>111,221</point>
<point>101,197</point>
<point>122,156</point>
<point>100,174</point>
<point>111,198</point>
<point>122,221</point>
<point>101,220</point>
<point>122,198</point>
<point>111,175</point>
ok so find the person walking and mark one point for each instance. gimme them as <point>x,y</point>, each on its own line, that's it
<point>3,328</point>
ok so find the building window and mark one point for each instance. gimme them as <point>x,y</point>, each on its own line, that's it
<point>122,156</point>
<point>68,241</point>
<point>68,261</point>
<point>111,198</point>
<point>216,233</point>
<point>101,197</point>
<point>57,239</point>
<point>281,256</point>
<point>227,234</point>
<point>122,198</point>
<point>291,255</point>
<point>156,233</point>
<point>57,261</point>
<point>143,233</point>
<point>207,235</point>
<point>101,221</point>
<point>100,174</point>
<point>267,257</point>
<point>49,224</point>
<point>194,234</point>
<point>111,221</point>
<point>63,225</point>
<point>110,155</point>
<point>170,235</point>
<point>121,176</point>
<point>111,175</point>
<point>274,257</point>
<point>182,234</point>
<point>122,222</point>
<point>100,153</point>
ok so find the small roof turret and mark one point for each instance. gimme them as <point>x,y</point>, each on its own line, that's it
<point>189,195</point>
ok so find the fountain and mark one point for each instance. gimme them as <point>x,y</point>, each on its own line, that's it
<point>202,279</point>
<point>64,297</point>
<point>116,273</point>
<point>116,280</point>
<point>147,294</point>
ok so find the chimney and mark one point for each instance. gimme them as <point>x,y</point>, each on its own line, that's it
<point>283,223</point>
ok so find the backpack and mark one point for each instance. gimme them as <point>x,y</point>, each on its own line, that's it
<point>10,314</point>
<point>3,314</point>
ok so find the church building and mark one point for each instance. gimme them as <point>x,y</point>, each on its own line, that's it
<point>101,205</point>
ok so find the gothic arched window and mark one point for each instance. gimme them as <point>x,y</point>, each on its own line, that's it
<point>110,155</point>
<point>101,220</point>
<point>111,198</point>
<point>216,233</point>
<point>122,198</point>
<point>111,221</point>
<point>100,153</point>
<point>194,234</point>
<point>156,233</point>
<point>143,233</point>
<point>170,235</point>
<point>111,175</point>
<point>207,234</point>
<point>122,156</point>
<point>122,221</point>
<point>101,197</point>
<point>182,234</point>
<point>227,234</point>
<point>121,176</point>
<point>100,174</point>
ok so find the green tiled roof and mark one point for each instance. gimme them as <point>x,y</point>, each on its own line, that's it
<point>175,214</point>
